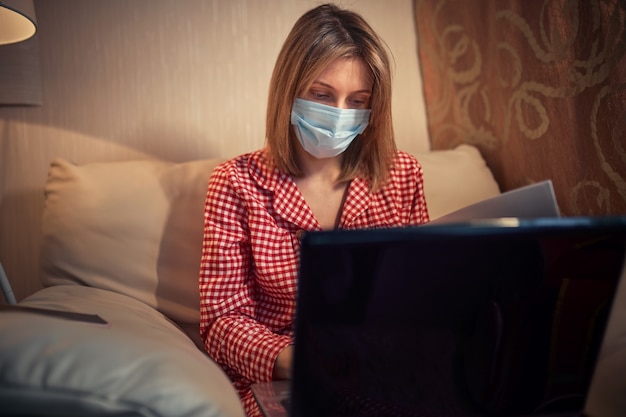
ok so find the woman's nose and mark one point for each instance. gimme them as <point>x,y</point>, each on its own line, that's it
<point>342,104</point>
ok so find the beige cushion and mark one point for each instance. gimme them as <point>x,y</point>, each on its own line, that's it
<point>130,227</point>
<point>455,178</point>
<point>136,227</point>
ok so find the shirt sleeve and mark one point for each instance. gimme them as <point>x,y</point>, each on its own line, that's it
<point>408,177</point>
<point>231,334</point>
<point>419,209</point>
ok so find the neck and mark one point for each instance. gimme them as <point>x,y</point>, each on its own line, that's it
<point>327,168</point>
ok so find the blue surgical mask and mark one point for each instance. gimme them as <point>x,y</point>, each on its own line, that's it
<point>326,131</point>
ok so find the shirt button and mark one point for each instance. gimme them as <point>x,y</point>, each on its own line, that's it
<point>300,234</point>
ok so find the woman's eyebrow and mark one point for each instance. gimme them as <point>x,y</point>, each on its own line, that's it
<point>323,84</point>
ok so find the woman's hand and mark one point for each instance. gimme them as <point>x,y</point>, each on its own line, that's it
<point>282,366</point>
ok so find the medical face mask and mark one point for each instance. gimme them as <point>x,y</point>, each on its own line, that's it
<point>326,131</point>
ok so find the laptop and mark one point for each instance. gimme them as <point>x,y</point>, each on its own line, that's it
<point>501,318</point>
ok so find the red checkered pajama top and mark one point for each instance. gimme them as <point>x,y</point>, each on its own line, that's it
<point>254,216</point>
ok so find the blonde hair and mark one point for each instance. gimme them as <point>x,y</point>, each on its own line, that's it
<point>321,36</point>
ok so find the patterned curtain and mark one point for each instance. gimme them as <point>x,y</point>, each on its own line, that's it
<point>538,85</point>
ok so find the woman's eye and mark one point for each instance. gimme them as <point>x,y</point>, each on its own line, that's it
<point>320,96</point>
<point>358,103</point>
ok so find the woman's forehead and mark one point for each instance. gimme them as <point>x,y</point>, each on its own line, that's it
<point>350,73</point>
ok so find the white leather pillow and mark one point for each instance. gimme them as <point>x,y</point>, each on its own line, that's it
<point>455,178</point>
<point>133,227</point>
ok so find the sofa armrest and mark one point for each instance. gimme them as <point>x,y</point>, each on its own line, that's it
<point>140,364</point>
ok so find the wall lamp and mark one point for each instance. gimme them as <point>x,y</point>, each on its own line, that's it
<point>20,73</point>
<point>17,21</point>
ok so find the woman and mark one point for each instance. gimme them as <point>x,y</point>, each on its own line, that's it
<point>330,161</point>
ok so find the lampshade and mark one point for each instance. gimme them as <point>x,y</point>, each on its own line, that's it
<point>17,20</point>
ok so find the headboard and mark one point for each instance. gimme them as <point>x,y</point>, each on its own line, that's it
<point>538,86</point>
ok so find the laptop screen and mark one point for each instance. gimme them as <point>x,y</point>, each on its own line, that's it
<point>489,319</point>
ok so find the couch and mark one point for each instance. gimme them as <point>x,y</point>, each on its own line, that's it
<point>122,240</point>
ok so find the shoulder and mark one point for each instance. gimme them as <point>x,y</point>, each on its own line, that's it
<point>248,170</point>
<point>230,185</point>
<point>238,165</point>
<point>405,175</point>
<point>405,164</point>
